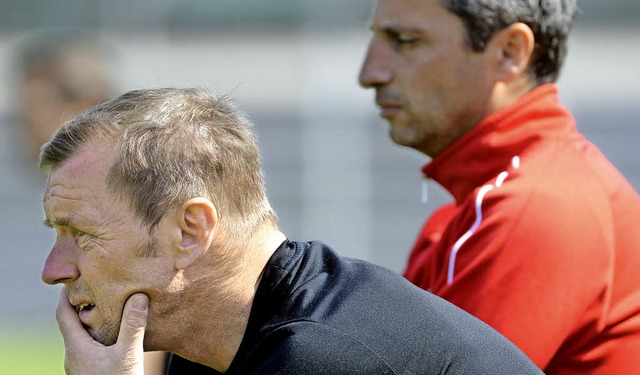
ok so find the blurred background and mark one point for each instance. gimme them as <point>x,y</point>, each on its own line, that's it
<point>332,174</point>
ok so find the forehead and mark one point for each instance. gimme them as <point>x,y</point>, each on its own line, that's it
<point>78,185</point>
<point>411,15</point>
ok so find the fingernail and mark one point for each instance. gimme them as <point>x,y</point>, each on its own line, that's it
<point>140,303</point>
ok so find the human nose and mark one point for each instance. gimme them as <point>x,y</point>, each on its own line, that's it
<point>61,264</point>
<point>374,72</point>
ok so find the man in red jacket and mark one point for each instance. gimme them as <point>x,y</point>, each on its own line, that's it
<point>541,241</point>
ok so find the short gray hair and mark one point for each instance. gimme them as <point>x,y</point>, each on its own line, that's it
<point>550,20</point>
<point>173,145</point>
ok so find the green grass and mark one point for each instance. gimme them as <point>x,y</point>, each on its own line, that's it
<point>31,352</point>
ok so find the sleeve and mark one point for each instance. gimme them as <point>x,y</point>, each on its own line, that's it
<point>460,345</point>
<point>538,271</point>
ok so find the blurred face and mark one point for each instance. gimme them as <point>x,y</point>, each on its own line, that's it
<point>102,253</point>
<point>430,86</point>
<point>44,108</point>
<point>61,90</point>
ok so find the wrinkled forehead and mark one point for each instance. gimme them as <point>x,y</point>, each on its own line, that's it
<point>82,174</point>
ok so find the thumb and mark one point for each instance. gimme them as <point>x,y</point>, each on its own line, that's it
<point>134,322</point>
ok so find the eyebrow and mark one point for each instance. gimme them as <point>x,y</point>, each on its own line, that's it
<point>392,26</point>
<point>62,222</point>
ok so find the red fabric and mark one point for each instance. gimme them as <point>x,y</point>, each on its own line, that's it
<point>553,259</point>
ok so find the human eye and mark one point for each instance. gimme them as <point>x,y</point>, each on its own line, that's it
<point>65,227</point>
<point>400,39</point>
<point>404,40</point>
<point>77,233</point>
<point>84,240</point>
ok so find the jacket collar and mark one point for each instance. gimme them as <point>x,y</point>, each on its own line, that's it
<point>487,149</point>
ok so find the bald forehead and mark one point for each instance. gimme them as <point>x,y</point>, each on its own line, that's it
<point>87,169</point>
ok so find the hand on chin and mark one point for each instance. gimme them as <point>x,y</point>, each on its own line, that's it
<point>86,355</point>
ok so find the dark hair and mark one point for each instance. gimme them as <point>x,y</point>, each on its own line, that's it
<point>550,20</point>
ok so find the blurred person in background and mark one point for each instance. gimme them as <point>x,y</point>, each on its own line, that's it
<point>55,75</point>
<point>62,73</point>
<point>165,240</point>
<point>541,241</point>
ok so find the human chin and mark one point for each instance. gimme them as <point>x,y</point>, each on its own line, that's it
<point>401,133</point>
<point>107,334</point>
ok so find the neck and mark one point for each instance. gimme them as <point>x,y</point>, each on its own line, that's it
<point>211,314</point>
<point>507,93</point>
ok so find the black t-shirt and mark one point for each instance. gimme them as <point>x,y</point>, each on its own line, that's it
<point>318,313</point>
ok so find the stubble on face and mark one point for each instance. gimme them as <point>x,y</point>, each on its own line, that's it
<point>427,133</point>
<point>108,332</point>
<point>430,85</point>
<point>107,246</point>
<point>105,334</point>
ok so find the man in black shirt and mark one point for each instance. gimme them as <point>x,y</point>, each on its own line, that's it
<point>317,313</point>
<point>166,241</point>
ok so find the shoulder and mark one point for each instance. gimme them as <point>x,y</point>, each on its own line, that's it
<point>453,346</point>
<point>306,347</point>
<point>535,214</point>
<point>546,199</point>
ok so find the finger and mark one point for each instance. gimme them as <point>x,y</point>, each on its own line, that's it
<point>134,322</point>
<point>68,321</point>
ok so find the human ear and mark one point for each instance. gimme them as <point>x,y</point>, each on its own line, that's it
<point>513,47</point>
<point>197,218</point>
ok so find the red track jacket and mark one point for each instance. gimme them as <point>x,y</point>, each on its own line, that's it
<point>542,241</point>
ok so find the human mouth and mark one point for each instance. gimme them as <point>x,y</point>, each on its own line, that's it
<point>389,112</point>
<point>84,306</point>
<point>389,104</point>
<point>84,310</point>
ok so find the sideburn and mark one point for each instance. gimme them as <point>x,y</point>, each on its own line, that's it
<point>148,249</point>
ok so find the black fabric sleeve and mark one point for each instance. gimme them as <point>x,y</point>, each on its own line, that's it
<point>306,347</point>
